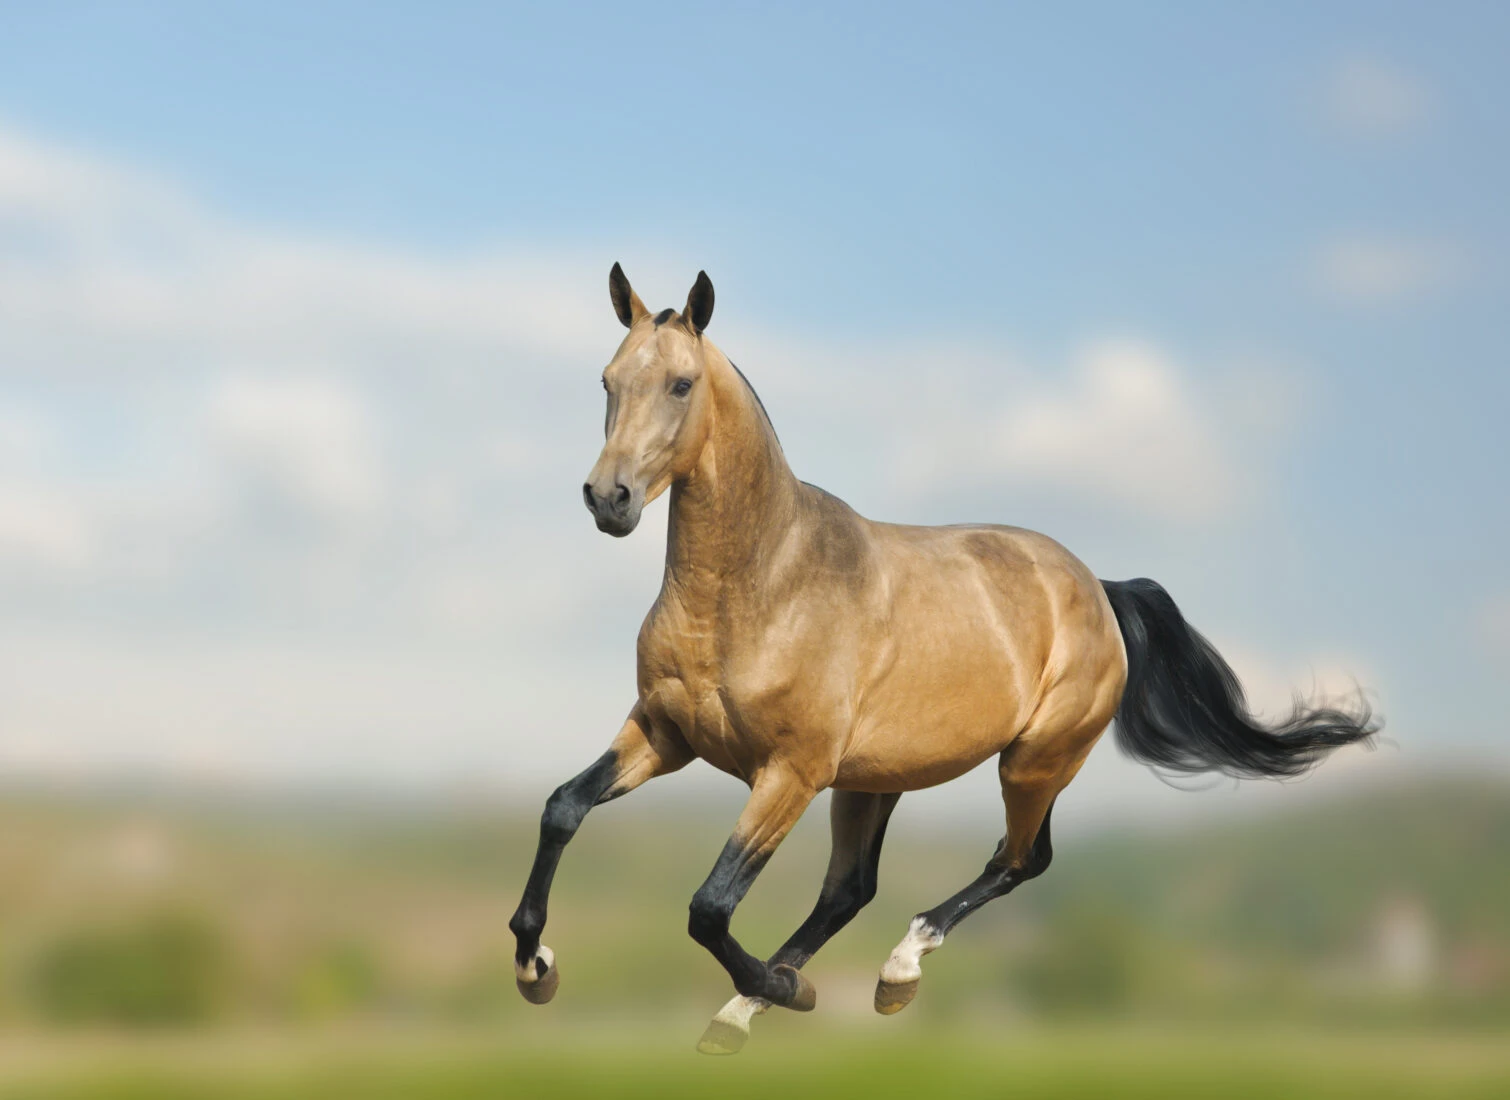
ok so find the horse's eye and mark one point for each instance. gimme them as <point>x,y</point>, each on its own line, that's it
<point>683,387</point>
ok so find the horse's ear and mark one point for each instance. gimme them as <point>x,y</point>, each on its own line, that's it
<point>626,303</point>
<point>699,309</point>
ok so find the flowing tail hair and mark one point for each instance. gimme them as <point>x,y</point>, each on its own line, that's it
<point>1183,709</point>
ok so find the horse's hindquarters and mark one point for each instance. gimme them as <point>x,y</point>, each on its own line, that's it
<point>990,633</point>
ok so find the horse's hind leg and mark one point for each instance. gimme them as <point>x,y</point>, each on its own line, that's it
<point>1032,775</point>
<point>858,823</point>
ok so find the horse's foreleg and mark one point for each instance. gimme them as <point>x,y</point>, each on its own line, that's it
<point>638,753</point>
<point>777,800</point>
<point>858,823</point>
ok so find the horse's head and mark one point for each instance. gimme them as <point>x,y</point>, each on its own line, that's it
<point>659,405</point>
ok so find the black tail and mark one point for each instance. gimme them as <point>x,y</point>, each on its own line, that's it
<point>1184,708</point>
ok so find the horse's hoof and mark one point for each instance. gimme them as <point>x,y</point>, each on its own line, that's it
<point>806,997</point>
<point>901,972</point>
<point>723,1037</point>
<point>892,997</point>
<point>540,988</point>
<point>731,1027</point>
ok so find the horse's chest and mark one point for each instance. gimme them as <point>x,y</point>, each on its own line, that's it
<point>726,702</point>
<point>700,712</point>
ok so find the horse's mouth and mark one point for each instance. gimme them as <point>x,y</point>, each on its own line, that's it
<point>617,526</point>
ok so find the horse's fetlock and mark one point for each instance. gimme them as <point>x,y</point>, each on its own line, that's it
<point>755,986</point>
<point>526,925</point>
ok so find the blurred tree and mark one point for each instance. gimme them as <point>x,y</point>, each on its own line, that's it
<point>340,978</point>
<point>1087,963</point>
<point>166,969</point>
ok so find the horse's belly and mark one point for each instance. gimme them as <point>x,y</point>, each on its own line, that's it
<point>941,706</point>
<point>912,758</point>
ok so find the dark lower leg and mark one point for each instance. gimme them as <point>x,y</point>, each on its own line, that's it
<point>859,826</point>
<point>1002,875</point>
<point>563,815</point>
<point>1007,869</point>
<point>638,753</point>
<point>711,911</point>
<point>1033,772</point>
<point>774,807</point>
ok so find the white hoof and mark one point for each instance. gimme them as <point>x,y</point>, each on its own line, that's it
<point>904,969</point>
<point>538,979</point>
<point>727,1033</point>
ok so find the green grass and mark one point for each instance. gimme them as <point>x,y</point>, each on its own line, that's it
<point>364,953</point>
<point>785,1058</point>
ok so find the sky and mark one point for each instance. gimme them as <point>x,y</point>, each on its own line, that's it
<point>303,308</point>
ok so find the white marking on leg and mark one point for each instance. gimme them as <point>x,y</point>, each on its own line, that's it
<point>740,1011</point>
<point>527,971</point>
<point>906,962</point>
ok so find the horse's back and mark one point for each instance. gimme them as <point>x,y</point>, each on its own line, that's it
<point>1026,575</point>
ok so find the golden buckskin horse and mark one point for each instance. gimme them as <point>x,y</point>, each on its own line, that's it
<point>800,646</point>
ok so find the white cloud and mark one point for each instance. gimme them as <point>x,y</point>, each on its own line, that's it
<point>43,523</point>
<point>41,527</point>
<point>81,198</point>
<point>288,708</point>
<point>297,502</point>
<point>1130,429</point>
<point>25,437</point>
<point>310,438</point>
<point>326,493</point>
<point>1382,270</point>
<point>1125,427</point>
<point>103,267</point>
<point>1372,97</point>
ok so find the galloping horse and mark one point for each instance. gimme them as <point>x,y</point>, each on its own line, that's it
<point>799,646</point>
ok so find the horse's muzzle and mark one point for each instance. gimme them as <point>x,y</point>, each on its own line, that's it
<point>616,510</point>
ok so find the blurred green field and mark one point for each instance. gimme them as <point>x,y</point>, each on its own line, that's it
<point>794,1060</point>
<point>153,910</point>
<point>169,943</point>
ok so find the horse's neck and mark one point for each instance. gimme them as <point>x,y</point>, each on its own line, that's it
<point>739,499</point>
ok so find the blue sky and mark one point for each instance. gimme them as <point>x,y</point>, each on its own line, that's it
<point>1210,294</point>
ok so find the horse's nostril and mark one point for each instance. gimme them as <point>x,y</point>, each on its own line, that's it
<point>587,494</point>
<point>621,494</point>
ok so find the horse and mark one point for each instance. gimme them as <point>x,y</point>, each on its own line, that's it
<point>799,646</point>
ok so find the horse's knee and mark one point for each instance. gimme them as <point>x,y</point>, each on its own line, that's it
<point>564,811</point>
<point>569,803</point>
<point>559,821</point>
<point>707,919</point>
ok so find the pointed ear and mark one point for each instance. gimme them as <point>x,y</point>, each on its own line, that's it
<point>626,303</point>
<point>699,309</point>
